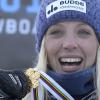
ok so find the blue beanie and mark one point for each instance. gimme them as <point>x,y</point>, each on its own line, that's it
<point>54,11</point>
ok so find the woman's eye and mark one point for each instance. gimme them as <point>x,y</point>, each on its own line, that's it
<point>83,33</point>
<point>56,33</point>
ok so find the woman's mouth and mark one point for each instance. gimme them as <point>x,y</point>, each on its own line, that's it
<point>70,63</point>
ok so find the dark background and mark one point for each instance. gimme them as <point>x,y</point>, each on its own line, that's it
<point>17,48</point>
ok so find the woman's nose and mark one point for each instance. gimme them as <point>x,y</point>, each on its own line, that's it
<point>69,42</point>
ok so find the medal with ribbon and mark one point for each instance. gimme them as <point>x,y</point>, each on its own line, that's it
<point>40,80</point>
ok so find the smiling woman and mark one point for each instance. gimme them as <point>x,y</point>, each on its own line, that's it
<point>65,49</point>
<point>68,39</point>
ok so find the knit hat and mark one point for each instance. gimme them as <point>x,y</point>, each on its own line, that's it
<point>54,11</point>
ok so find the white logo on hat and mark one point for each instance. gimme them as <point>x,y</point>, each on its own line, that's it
<point>61,5</point>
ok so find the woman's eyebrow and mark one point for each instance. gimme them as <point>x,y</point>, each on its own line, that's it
<point>54,27</point>
<point>84,24</point>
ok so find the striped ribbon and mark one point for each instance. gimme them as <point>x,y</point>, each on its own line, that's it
<point>53,87</point>
<point>35,94</point>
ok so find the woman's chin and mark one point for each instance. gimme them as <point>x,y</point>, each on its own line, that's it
<point>72,68</point>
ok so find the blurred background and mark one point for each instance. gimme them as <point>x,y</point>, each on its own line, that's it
<point>17,30</point>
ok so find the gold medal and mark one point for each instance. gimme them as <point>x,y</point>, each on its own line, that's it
<point>33,76</point>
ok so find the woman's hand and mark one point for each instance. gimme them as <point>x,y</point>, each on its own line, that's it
<point>14,83</point>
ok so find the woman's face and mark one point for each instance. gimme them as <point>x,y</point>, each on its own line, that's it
<point>70,46</point>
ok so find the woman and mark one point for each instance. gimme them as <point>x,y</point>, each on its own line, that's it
<point>68,36</point>
<point>68,40</point>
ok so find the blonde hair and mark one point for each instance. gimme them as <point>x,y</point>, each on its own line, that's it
<point>42,60</point>
<point>98,73</point>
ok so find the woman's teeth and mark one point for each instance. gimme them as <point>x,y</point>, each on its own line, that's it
<point>70,61</point>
